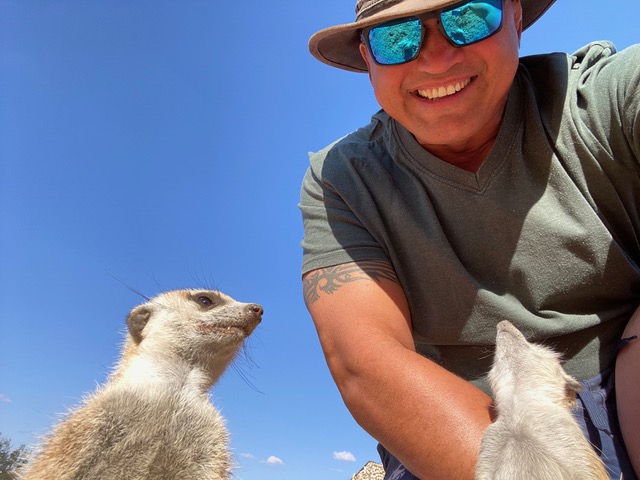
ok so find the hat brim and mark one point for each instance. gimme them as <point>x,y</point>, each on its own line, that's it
<point>339,46</point>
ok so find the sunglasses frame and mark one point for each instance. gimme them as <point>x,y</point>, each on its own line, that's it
<point>423,17</point>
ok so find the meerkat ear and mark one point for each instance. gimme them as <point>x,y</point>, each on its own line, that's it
<point>571,388</point>
<point>136,321</point>
<point>572,384</point>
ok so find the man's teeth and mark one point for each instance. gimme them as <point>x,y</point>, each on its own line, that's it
<point>438,92</point>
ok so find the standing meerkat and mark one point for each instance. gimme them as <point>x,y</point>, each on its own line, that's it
<point>535,435</point>
<point>152,419</point>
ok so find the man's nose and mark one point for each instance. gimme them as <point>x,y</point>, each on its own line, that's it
<point>437,55</point>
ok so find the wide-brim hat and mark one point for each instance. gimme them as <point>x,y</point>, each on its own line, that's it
<point>339,46</point>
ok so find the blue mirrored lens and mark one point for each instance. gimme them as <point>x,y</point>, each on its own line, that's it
<point>472,22</point>
<point>396,42</point>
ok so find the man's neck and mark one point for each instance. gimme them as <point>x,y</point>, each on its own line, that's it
<point>469,160</point>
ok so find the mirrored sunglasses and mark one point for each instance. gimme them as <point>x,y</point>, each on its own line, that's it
<point>399,41</point>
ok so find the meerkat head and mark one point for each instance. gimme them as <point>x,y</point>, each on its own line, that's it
<point>195,324</point>
<point>532,367</point>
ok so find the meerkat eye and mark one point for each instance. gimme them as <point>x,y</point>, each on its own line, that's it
<point>204,301</point>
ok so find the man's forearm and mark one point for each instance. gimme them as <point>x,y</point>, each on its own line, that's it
<point>431,420</point>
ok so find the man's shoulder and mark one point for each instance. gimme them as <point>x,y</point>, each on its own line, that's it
<point>591,52</point>
<point>558,79</point>
<point>549,67</point>
<point>359,144</point>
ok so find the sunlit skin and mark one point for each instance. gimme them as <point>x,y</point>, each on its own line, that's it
<point>459,128</point>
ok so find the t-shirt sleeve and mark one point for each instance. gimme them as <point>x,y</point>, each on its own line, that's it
<point>629,87</point>
<point>607,107</point>
<point>333,232</point>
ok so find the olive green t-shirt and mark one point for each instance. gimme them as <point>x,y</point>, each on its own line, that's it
<point>545,234</point>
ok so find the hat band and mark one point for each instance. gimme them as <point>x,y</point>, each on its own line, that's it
<point>374,7</point>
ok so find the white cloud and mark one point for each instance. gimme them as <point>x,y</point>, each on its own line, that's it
<point>4,398</point>
<point>344,456</point>
<point>247,455</point>
<point>274,461</point>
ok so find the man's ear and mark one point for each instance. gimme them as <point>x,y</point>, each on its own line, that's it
<point>517,13</point>
<point>365,56</point>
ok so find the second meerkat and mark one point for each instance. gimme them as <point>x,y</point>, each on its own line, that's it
<point>535,435</point>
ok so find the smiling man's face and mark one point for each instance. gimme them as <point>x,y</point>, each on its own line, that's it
<point>452,99</point>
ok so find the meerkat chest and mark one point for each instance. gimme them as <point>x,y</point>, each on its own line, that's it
<point>153,417</point>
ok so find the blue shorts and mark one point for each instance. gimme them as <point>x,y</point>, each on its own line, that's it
<point>595,412</point>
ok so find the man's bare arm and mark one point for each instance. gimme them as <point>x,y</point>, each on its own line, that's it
<point>628,389</point>
<point>330,279</point>
<point>430,419</point>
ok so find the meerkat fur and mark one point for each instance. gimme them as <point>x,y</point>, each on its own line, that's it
<point>535,435</point>
<point>153,419</point>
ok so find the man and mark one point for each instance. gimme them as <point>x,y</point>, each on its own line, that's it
<point>488,187</point>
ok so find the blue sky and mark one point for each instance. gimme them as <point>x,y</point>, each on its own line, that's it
<point>160,145</point>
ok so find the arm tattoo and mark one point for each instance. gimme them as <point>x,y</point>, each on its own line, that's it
<point>330,279</point>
